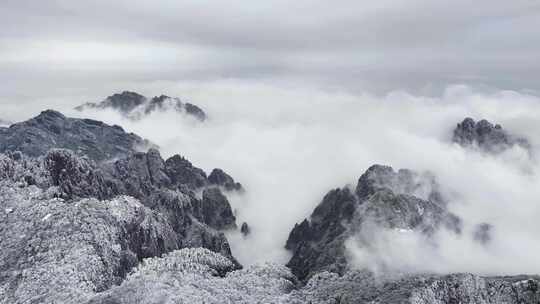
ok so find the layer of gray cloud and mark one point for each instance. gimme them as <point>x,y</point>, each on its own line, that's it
<point>380,46</point>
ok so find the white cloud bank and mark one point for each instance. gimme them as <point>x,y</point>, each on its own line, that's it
<point>289,146</point>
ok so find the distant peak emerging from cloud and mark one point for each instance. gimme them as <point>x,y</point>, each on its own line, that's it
<point>486,136</point>
<point>135,106</point>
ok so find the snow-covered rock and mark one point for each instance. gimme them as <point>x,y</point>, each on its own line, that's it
<point>136,106</point>
<point>402,200</point>
<point>200,276</point>
<point>51,129</point>
<point>55,251</point>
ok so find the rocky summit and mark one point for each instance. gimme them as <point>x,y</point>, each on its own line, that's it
<point>98,213</point>
<point>383,197</point>
<point>220,178</point>
<point>135,106</point>
<point>486,136</point>
<point>86,137</point>
<point>405,201</point>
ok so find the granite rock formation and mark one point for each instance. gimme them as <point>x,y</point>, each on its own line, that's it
<point>244,229</point>
<point>54,250</point>
<point>80,218</point>
<point>402,200</point>
<point>201,276</point>
<point>87,137</point>
<point>364,287</point>
<point>383,197</point>
<point>219,178</point>
<point>135,106</point>
<point>66,223</point>
<point>140,175</point>
<point>486,136</point>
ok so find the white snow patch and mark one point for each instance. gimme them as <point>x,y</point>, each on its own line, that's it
<point>420,209</point>
<point>402,230</point>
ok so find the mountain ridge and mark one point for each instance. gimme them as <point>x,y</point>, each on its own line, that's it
<point>51,129</point>
<point>135,106</point>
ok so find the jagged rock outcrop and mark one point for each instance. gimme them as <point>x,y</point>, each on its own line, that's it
<point>140,175</point>
<point>363,287</point>
<point>135,106</point>
<point>124,102</point>
<point>244,229</point>
<point>383,197</point>
<point>486,136</point>
<point>77,177</point>
<point>87,137</point>
<point>216,210</point>
<point>63,188</point>
<point>107,161</point>
<point>168,186</point>
<point>401,201</point>
<point>82,197</point>
<point>200,276</point>
<point>219,178</point>
<point>195,111</point>
<point>182,172</point>
<point>55,251</point>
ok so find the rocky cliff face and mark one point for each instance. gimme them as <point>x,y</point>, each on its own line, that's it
<point>54,250</point>
<point>85,137</point>
<point>402,200</point>
<point>486,136</point>
<point>81,221</point>
<point>60,211</point>
<point>141,176</point>
<point>383,197</point>
<point>219,178</point>
<point>135,106</point>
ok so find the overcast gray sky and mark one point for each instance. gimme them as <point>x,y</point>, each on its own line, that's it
<point>91,48</point>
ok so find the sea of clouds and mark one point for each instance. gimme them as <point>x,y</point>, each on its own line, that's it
<point>289,145</point>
